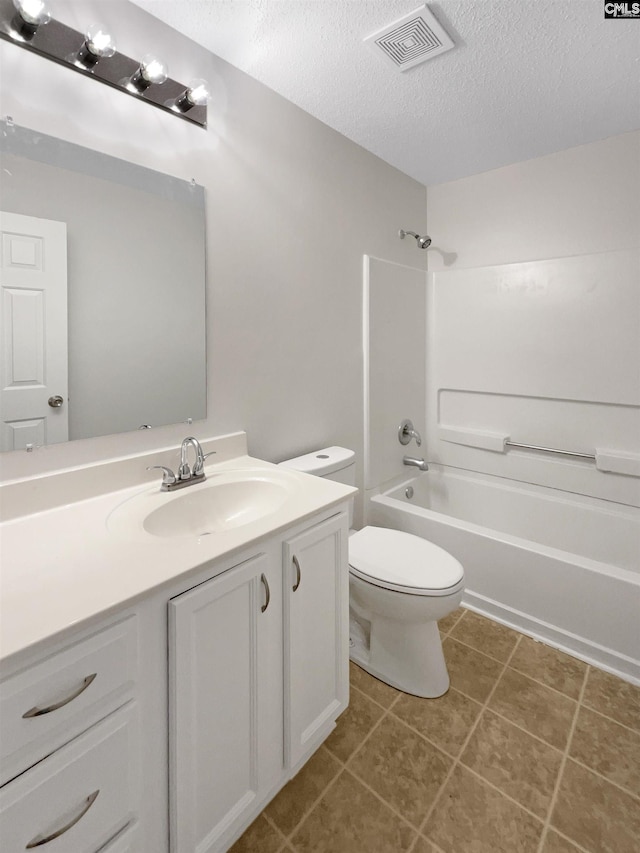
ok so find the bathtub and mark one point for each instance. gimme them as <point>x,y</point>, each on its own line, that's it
<point>559,567</point>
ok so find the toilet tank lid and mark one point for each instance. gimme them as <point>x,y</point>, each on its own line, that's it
<point>322,462</point>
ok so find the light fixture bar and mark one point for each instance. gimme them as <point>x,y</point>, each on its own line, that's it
<point>61,44</point>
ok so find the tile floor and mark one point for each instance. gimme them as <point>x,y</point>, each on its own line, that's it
<point>530,751</point>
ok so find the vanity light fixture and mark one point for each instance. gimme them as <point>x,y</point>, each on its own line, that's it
<point>94,54</point>
<point>30,14</point>
<point>151,70</point>
<point>98,44</point>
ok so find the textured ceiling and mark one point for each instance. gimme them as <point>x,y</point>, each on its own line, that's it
<point>526,78</point>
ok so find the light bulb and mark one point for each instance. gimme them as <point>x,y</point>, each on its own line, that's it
<point>152,70</point>
<point>33,11</point>
<point>98,44</point>
<point>31,14</point>
<point>198,93</point>
<point>195,95</point>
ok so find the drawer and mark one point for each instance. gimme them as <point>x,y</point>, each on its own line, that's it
<point>124,843</point>
<point>81,796</point>
<point>50,703</point>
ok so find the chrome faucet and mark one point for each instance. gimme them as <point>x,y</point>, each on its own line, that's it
<point>415,463</point>
<point>186,476</point>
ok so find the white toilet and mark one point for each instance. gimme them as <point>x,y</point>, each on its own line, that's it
<point>399,587</point>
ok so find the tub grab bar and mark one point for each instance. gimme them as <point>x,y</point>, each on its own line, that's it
<point>590,456</point>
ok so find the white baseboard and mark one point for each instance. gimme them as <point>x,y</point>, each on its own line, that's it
<point>578,647</point>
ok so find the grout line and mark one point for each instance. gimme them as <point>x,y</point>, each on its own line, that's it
<point>480,652</point>
<point>384,802</point>
<point>313,805</point>
<point>563,763</point>
<point>273,824</point>
<point>634,794</point>
<point>466,741</point>
<point>611,719</point>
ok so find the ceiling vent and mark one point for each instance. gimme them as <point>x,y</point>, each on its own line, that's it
<point>411,39</point>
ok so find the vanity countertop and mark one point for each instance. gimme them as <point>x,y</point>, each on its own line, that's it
<point>64,566</point>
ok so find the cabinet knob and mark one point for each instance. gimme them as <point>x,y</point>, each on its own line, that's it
<point>296,565</point>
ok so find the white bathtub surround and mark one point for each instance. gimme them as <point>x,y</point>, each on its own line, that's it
<point>545,353</point>
<point>562,568</point>
<point>394,330</point>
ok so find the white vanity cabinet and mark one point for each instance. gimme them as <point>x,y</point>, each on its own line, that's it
<point>258,673</point>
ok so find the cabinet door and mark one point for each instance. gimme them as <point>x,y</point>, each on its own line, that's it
<point>225,702</point>
<point>316,636</point>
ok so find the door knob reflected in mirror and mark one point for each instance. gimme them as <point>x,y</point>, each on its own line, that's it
<point>55,402</point>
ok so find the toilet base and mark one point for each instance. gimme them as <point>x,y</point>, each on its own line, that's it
<point>418,668</point>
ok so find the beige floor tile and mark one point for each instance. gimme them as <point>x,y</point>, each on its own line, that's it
<point>538,709</point>
<point>470,672</point>
<point>596,814</point>
<point>350,819</point>
<point>608,748</point>
<point>424,846</point>
<point>400,766</point>
<point>471,816</point>
<point>297,797</point>
<point>551,667</point>
<point>446,721</point>
<point>614,697</point>
<point>486,636</point>
<point>555,843</point>
<point>260,836</point>
<point>375,689</point>
<point>353,725</point>
<point>520,765</point>
<point>446,624</point>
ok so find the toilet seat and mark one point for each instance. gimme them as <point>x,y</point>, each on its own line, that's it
<point>402,562</point>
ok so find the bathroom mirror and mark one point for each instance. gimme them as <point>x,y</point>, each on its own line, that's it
<point>102,321</point>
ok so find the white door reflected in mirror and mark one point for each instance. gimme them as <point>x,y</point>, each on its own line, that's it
<point>33,332</point>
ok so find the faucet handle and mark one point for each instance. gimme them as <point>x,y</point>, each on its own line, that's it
<point>406,432</point>
<point>168,477</point>
<point>198,468</point>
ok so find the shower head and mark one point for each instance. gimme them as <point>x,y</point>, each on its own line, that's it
<point>423,242</point>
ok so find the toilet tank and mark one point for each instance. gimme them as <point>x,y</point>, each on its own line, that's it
<point>333,463</point>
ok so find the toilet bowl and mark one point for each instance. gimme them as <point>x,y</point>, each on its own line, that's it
<point>400,585</point>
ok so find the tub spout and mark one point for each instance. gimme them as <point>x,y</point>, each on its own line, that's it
<point>415,463</point>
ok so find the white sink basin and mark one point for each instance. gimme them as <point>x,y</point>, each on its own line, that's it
<point>219,507</point>
<point>221,503</point>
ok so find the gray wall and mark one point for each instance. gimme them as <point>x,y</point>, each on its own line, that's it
<point>291,208</point>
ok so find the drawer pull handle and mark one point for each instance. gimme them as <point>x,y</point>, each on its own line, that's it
<point>298,573</point>
<point>38,712</point>
<point>39,840</point>
<point>267,591</point>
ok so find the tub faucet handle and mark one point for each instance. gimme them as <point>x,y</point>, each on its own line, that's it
<point>406,431</point>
